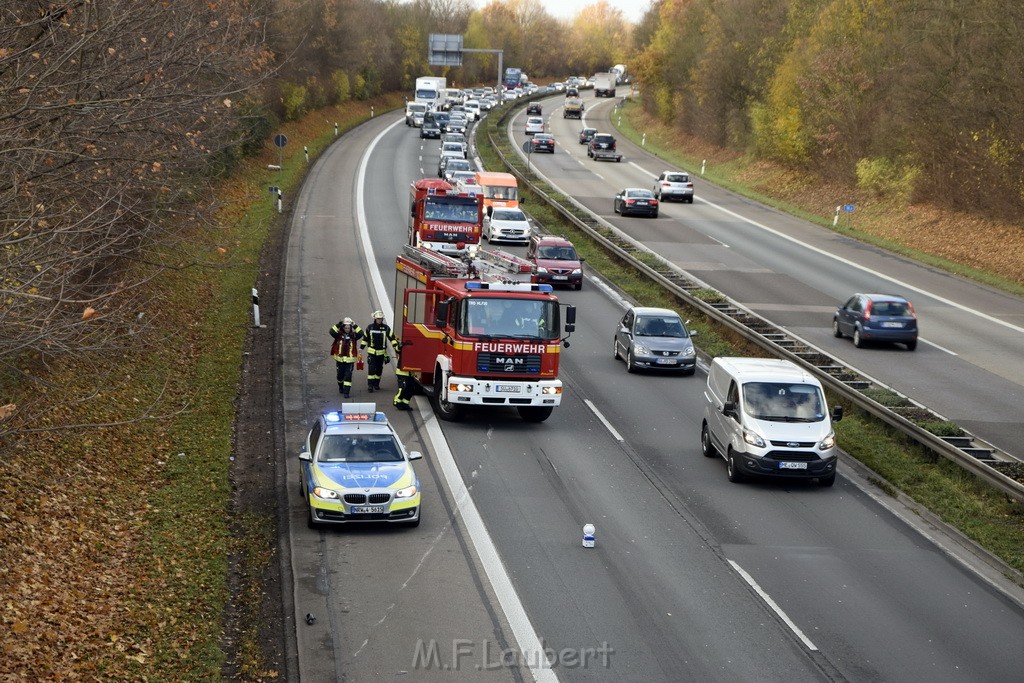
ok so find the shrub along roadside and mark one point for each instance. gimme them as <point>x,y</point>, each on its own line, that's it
<point>944,488</point>
<point>116,541</point>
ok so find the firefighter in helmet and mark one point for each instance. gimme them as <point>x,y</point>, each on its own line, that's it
<point>376,338</point>
<point>346,352</point>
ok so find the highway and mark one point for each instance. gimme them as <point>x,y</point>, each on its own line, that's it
<point>793,273</point>
<point>692,577</point>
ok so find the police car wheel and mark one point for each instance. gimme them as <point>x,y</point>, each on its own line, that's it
<point>311,520</point>
<point>416,522</point>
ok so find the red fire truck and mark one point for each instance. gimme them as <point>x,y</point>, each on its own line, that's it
<point>476,332</point>
<point>441,218</point>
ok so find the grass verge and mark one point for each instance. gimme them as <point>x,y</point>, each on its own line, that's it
<point>119,543</point>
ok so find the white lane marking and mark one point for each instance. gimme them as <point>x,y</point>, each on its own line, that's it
<point>940,348</point>
<point>641,168</point>
<point>526,636</point>
<point>530,645</point>
<point>383,302</point>
<point>771,603</point>
<point>606,423</point>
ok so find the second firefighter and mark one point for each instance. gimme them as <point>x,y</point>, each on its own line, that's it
<point>376,338</point>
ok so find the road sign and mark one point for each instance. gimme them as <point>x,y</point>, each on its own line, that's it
<point>444,49</point>
<point>280,139</point>
<point>528,146</point>
<point>848,208</point>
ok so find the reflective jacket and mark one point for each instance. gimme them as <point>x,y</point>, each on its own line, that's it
<point>377,337</point>
<point>347,350</point>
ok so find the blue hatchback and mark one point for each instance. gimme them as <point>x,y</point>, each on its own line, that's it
<point>876,317</point>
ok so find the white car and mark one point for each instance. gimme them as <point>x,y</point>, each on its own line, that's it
<point>506,225</point>
<point>472,109</point>
<point>534,124</point>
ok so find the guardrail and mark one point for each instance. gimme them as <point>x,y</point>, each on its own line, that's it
<point>981,459</point>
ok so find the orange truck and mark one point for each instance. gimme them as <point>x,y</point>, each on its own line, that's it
<point>476,332</point>
<point>443,218</point>
<point>500,190</point>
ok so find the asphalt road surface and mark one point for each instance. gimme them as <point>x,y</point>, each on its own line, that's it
<point>693,578</point>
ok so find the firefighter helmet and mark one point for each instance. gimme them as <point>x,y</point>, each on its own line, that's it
<point>347,321</point>
<point>378,314</point>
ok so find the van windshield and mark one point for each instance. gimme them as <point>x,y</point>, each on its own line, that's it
<point>783,402</point>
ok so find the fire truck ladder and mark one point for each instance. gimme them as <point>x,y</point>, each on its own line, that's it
<point>480,264</point>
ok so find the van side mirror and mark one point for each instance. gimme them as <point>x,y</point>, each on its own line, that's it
<point>729,409</point>
<point>837,413</point>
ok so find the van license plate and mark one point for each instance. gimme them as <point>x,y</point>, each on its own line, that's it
<point>509,388</point>
<point>792,466</point>
<point>368,510</point>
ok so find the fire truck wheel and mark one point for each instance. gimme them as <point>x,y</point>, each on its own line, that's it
<point>449,412</point>
<point>534,414</point>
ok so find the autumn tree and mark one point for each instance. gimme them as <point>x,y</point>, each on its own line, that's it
<point>112,115</point>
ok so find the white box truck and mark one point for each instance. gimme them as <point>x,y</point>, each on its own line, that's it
<point>604,85</point>
<point>430,89</point>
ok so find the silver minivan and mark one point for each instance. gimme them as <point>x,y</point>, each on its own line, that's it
<point>769,417</point>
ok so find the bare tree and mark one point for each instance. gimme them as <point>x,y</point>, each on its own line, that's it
<point>112,113</point>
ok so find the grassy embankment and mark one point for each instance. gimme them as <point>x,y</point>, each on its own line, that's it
<point>942,487</point>
<point>117,542</point>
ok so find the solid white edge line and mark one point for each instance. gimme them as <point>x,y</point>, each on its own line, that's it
<point>526,636</point>
<point>771,603</point>
<point>940,348</point>
<point>605,422</point>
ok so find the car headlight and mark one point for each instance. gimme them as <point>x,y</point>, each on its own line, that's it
<point>640,349</point>
<point>577,271</point>
<point>407,492</point>
<point>753,438</point>
<point>688,351</point>
<point>329,494</point>
<point>541,270</point>
<point>828,442</point>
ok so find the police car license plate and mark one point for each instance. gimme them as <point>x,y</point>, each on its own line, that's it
<point>792,466</point>
<point>666,361</point>
<point>509,388</point>
<point>367,509</point>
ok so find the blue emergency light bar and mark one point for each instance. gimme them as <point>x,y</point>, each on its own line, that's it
<point>355,412</point>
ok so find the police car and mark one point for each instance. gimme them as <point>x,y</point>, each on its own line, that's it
<point>353,468</point>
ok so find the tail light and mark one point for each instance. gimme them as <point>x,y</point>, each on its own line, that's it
<point>867,311</point>
<point>653,202</point>
<point>665,183</point>
<point>689,184</point>
<point>910,310</point>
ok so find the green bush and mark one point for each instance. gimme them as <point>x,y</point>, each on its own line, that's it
<point>942,428</point>
<point>883,177</point>
<point>293,101</point>
<point>342,87</point>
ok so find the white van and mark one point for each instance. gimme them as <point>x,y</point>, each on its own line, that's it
<point>769,417</point>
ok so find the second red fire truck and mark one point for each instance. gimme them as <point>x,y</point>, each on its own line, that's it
<point>443,219</point>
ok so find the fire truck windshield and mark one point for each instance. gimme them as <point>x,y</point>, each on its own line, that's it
<point>508,318</point>
<point>450,211</point>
